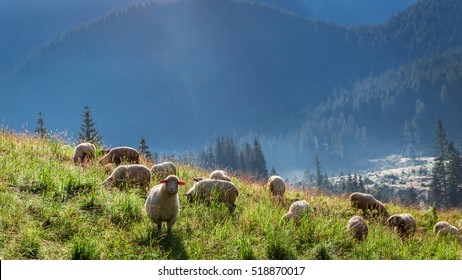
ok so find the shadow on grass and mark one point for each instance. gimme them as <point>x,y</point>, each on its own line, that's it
<point>172,245</point>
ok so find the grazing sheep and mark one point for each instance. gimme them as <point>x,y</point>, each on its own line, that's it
<point>108,168</point>
<point>121,154</point>
<point>445,228</point>
<point>220,175</point>
<point>357,227</point>
<point>225,191</point>
<point>276,185</point>
<point>84,151</point>
<point>297,210</point>
<point>162,203</point>
<point>162,170</point>
<point>134,174</point>
<point>404,223</point>
<point>367,202</point>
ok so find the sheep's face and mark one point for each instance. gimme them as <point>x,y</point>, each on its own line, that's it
<point>440,226</point>
<point>171,187</point>
<point>393,221</point>
<point>171,184</point>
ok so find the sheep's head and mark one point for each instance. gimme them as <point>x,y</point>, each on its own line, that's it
<point>394,220</point>
<point>440,226</point>
<point>198,179</point>
<point>171,184</point>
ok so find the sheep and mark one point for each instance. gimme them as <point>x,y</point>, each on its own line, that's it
<point>297,210</point>
<point>367,202</point>
<point>135,174</point>
<point>121,154</point>
<point>220,175</point>
<point>225,192</point>
<point>404,223</point>
<point>276,185</point>
<point>84,151</point>
<point>445,228</point>
<point>162,170</point>
<point>162,203</point>
<point>357,227</point>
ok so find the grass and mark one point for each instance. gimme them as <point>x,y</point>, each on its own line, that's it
<point>52,209</point>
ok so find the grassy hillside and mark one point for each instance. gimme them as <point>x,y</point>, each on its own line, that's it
<point>51,209</point>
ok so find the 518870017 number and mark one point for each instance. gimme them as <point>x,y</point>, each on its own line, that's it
<point>278,270</point>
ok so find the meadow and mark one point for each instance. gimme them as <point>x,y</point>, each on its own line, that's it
<point>52,209</point>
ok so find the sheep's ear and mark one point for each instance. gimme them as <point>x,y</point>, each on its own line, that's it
<point>163,182</point>
<point>181,183</point>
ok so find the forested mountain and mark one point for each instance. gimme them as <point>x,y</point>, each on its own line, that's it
<point>181,72</point>
<point>396,111</point>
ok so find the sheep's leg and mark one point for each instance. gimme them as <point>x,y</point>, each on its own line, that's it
<point>159,229</point>
<point>169,226</point>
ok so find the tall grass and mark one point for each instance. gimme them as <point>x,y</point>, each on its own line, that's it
<point>52,209</point>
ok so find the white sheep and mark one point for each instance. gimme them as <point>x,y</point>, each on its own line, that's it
<point>404,223</point>
<point>162,170</point>
<point>84,151</point>
<point>367,202</point>
<point>357,227</point>
<point>134,174</point>
<point>223,191</point>
<point>297,210</point>
<point>162,203</point>
<point>121,154</point>
<point>220,175</point>
<point>445,228</point>
<point>276,185</point>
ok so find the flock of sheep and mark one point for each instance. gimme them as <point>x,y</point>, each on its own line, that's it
<point>162,202</point>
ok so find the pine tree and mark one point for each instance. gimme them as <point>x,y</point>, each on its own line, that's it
<point>144,149</point>
<point>273,171</point>
<point>319,179</point>
<point>246,157</point>
<point>454,176</point>
<point>41,131</point>
<point>219,151</point>
<point>88,131</point>
<point>439,185</point>
<point>258,163</point>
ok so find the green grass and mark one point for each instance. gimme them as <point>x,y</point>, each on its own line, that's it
<point>52,209</point>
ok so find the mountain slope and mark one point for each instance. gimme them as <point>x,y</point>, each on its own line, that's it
<point>51,209</point>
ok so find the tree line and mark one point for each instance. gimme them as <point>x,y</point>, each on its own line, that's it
<point>224,154</point>
<point>227,153</point>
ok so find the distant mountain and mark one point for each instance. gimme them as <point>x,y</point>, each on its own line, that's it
<point>25,24</point>
<point>349,12</point>
<point>179,72</point>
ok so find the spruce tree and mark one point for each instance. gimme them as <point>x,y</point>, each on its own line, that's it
<point>319,177</point>
<point>273,171</point>
<point>454,176</point>
<point>41,131</point>
<point>259,163</point>
<point>439,185</point>
<point>88,131</point>
<point>144,149</point>
<point>219,151</point>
